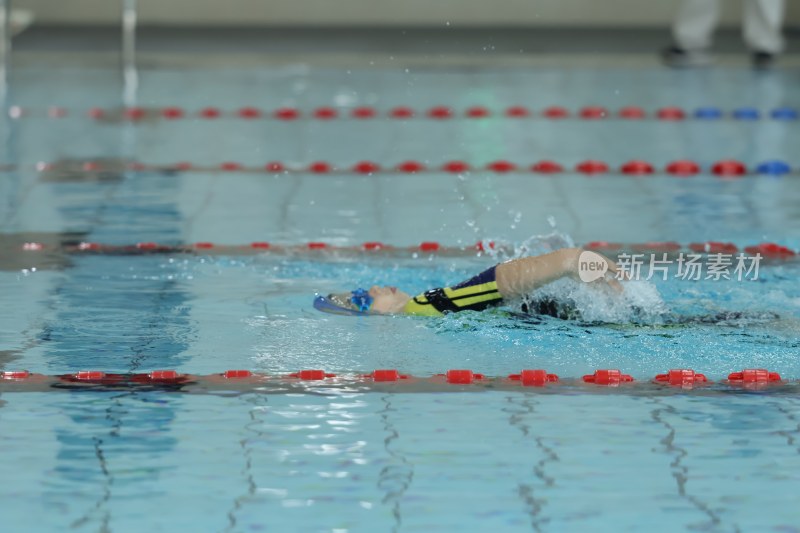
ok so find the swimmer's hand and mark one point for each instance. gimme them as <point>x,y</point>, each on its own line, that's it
<point>609,276</point>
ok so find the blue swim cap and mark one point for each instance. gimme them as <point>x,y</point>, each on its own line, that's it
<point>357,303</point>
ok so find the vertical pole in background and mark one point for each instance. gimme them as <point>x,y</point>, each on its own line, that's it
<point>130,76</point>
<point>5,47</point>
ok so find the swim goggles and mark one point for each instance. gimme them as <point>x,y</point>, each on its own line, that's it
<point>358,302</point>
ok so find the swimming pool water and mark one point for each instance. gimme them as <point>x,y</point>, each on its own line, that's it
<point>340,459</point>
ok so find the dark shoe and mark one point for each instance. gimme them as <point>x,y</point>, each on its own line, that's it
<point>679,58</point>
<point>763,60</point>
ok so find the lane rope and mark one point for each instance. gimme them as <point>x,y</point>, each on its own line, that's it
<point>400,112</point>
<point>313,380</point>
<point>765,249</point>
<point>724,168</point>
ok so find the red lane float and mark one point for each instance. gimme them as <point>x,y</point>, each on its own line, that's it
<point>592,167</point>
<point>210,112</point>
<point>15,374</point>
<point>411,167</point>
<point>593,112</point>
<point>729,167</point>
<point>481,247</point>
<point>172,113</point>
<point>501,166</point>
<point>326,113</point>
<point>311,375</point>
<point>637,168</point>
<point>373,246</point>
<point>683,168</point>
<point>320,167</point>
<point>477,112</point>
<point>402,112</point>
<point>363,112</point>
<point>632,113</point>
<point>770,249</point>
<point>440,112</point>
<point>603,245</point>
<point>385,375</point>
<point>455,167</point>
<point>517,111</point>
<point>547,167</point>
<point>286,113</point>
<point>671,113</point>
<point>237,374</point>
<point>249,112</point>
<point>134,113</point>
<point>555,112</point>
<point>681,377</point>
<point>430,246</point>
<point>607,377</point>
<point>758,376</point>
<point>462,377</point>
<point>89,375</point>
<point>534,378</point>
<point>366,167</point>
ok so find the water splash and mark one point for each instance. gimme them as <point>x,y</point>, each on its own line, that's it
<point>639,302</point>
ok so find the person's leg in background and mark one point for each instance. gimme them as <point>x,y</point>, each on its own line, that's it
<point>692,32</point>
<point>763,20</point>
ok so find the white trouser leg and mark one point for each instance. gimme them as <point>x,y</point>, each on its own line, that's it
<point>762,25</point>
<point>695,23</point>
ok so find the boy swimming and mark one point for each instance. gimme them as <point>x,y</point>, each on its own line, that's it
<point>516,278</point>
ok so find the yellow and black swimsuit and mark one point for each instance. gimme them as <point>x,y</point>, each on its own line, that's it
<point>475,294</point>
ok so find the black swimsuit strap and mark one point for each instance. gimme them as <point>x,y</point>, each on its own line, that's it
<point>441,302</point>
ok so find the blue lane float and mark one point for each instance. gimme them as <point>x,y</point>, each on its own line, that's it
<point>746,113</point>
<point>708,113</point>
<point>784,113</point>
<point>774,168</point>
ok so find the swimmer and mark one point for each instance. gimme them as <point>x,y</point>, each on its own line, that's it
<point>512,279</point>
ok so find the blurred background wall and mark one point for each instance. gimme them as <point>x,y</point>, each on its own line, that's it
<point>629,13</point>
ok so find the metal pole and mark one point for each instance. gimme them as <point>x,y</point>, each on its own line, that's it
<point>5,46</point>
<point>130,76</point>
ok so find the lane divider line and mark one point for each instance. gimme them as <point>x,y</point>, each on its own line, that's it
<point>724,168</point>
<point>401,112</point>
<point>383,379</point>
<point>765,249</point>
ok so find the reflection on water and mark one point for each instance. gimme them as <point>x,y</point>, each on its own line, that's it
<point>95,170</point>
<point>14,258</point>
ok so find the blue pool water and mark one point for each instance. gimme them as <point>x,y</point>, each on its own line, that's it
<point>354,460</point>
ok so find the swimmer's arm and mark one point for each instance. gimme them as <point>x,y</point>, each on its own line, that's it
<point>519,277</point>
